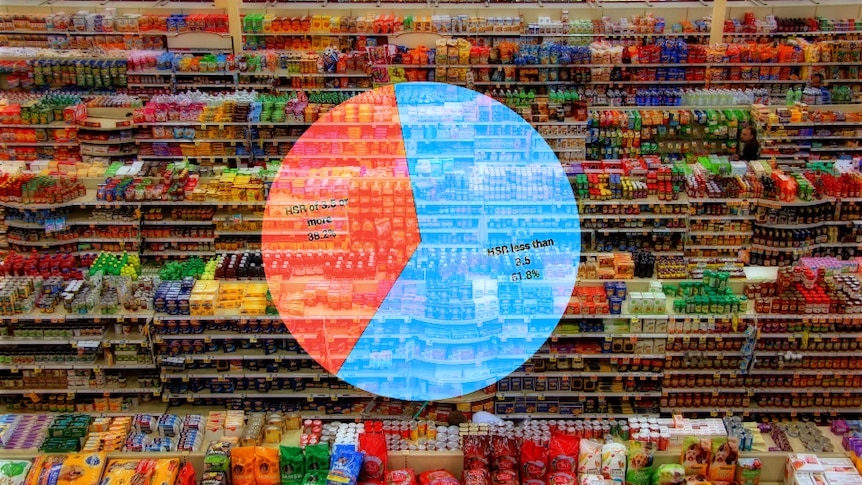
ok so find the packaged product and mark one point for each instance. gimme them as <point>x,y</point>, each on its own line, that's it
<point>476,477</point>
<point>373,445</point>
<point>504,453</point>
<point>345,468</point>
<point>592,480</point>
<point>504,477</point>
<point>292,463</point>
<point>563,453</point>
<point>316,477</point>
<point>725,454</point>
<point>266,466</point>
<point>477,449</point>
<point>214,478</point>
<point>317,457</point>
<point>403,476</point>
<point>13,472</point>
<point>614,462</point>
<point>187,476</point>
<point>748,471</point>
<point>336,450</point>
<point>534,461</point>
<point>242,463</point>
<point>78,469</point>
<point>697,480</point>
<point>640,462</point>
<point>437,477</point>
<point>695,455</point>
<point>141,472</point>
<point>217,458</point>
<point>669,474</point>
<point>589,458</point>
<point>561,478</point>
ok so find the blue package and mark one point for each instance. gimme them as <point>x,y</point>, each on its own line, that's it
<point>345,467</point>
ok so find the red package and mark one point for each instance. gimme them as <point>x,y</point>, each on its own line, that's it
<point>563,453</point>
<point>438,477</point>
<point>504,452</point>
<point>404,476</point>
<point>561,478</point>
<point>476,477</point>
<point>534,461</point>
<point>187,475</point>
<point>533,481</point>
<point>374,463</point>
<point>476,451</point>
<point>504,477</point>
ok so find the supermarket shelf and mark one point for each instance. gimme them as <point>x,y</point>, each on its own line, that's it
<point>191,140</point>
<point>177,239</point>
<point>641,216</point>
<point>566,355</point>
<point>195,374</point>
<point>634,394</point>
<point>608,335</point>
<point>77,365</point>
<point>172,222</point>
<point>587,373</point>
<point>79,390</point>
<point>108,142</point>
<point>242,354</point>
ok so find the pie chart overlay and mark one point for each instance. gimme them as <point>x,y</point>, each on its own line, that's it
<point>421,240</point>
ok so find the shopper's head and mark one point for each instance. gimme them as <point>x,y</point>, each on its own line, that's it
<point>816,80</point>
<point>456,418</point>
<point>748,134</point>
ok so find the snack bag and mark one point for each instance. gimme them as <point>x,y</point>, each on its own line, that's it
<point>639,470</point>
<point>336,450</point>
<point>13,472</point>
<point>404,476</point>
<point>504,477</point>
<point>589,458</point>
<point>242,464</point>
<point>476,477</point>
<point>697,480</point>
<point>748,471</point>
<point>437,477</point>
<point>592,480</point>
<point>82,469</point>
<point>563,453</point>
<point>345,468</point>
<point>725,454</point>
<point>669,474</point>
<point>374,463</point>
<point>695,455</point>
<point>476,452</point>
<point>292,465</point>
<point>316,477</point>
<point>504,453</point>
<point>561,478</point>
<point>267,469</point>
<point>614,462</point>
<point>317,457</point>
<point>43,467</point>
<point>187,476</point>
<point>217,458</point>
<point>534,461</point>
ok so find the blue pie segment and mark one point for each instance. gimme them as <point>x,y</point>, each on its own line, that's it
<point>497,257</point>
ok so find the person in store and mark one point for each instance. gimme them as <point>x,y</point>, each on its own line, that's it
<point>816,81</point>
<point>748,148</point>
<point>457,417</point>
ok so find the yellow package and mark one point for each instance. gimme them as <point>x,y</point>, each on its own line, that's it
<point>82,469</point>
<point>154,472</point>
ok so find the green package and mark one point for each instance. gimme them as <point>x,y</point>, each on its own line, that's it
<point>292,465</point>
<point>317,458</point>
